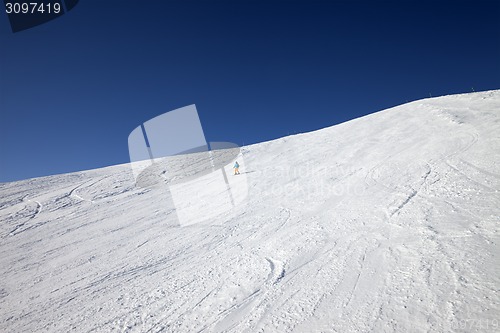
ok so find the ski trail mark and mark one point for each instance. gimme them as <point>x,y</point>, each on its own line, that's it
<point>404,203</point>
<point>349,299</point>
<point>74,194</point>
<point>287,219</point>
<point>277,271</point>
<point>28,217</point>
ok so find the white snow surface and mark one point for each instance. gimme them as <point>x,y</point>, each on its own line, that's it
<point>386,223</point>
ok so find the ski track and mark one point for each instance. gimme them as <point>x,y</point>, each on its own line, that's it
<point>27,218</point>
<point>73,193</point>
<point>277,271</point>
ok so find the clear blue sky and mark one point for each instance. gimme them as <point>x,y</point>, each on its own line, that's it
<point>72,90</point>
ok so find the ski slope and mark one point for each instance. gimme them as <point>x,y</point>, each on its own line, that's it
<point>386,223</point>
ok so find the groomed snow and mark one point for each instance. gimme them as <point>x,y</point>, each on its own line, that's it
<point>386,223</point>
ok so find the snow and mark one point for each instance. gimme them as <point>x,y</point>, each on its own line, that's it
<point>386,223</point>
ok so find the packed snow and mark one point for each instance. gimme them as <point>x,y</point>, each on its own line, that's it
<point>386,223</point>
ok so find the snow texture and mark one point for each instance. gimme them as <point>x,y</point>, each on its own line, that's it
<point>386,223</point>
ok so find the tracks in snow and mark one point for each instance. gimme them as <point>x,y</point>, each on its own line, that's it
<point>231,317</point>
<point>73,193</point>
<point>30,211</point>
<point>277,271</point>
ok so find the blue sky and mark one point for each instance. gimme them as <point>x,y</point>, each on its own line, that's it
<point>72,90</point>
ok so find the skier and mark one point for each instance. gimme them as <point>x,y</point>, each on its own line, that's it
<point>236,168</point>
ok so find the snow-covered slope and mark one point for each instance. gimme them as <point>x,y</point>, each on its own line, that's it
<point>387,223</point>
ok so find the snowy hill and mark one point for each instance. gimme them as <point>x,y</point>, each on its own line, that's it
<point>387,223</point>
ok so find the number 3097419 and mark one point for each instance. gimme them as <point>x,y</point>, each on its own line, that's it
<point>32,8</point>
